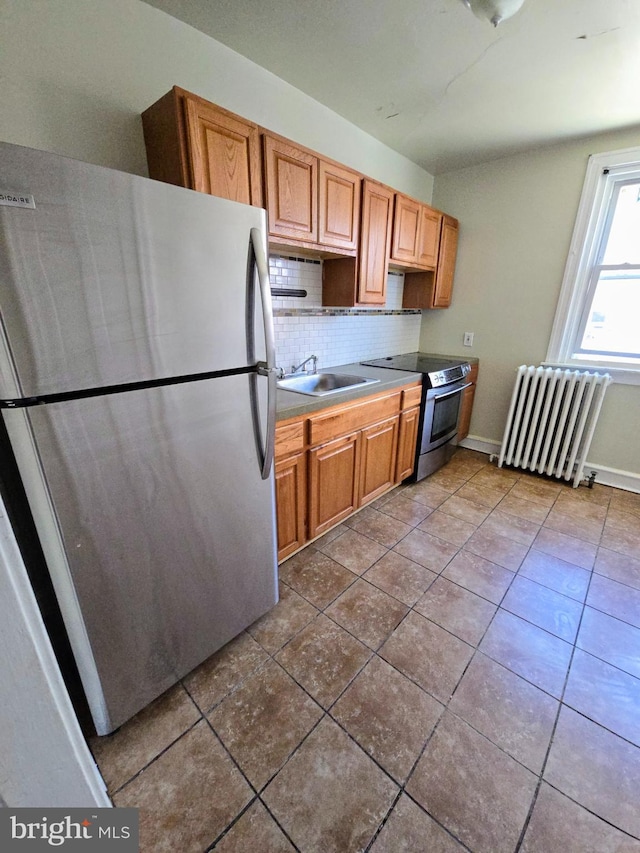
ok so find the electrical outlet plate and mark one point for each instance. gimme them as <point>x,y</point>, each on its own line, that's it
<point>467,340</point>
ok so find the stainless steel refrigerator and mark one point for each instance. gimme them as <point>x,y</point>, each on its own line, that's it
<point>137,382</point>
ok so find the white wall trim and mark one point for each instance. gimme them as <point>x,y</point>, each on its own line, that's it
<point>583,250</point>
<point>627,480</point>
<point>482,445</point>
<point>44,758</point>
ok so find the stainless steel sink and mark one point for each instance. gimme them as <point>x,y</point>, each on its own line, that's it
<point>319,384</point>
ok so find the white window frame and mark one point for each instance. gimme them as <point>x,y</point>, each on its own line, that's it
<point>591,222</point>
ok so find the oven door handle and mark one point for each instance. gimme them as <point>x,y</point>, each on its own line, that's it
<point>451,393</point>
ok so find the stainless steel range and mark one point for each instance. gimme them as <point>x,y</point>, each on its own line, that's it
<point>443,382</point>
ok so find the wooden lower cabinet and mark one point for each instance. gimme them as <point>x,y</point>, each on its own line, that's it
<point>291,502</point>
<point>466,406</point>
<point>378,459</point>
<point>332,462</point>
<point>333,482</point>
<point>408,435</point>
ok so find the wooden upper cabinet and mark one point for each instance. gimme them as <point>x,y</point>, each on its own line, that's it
<point>416,234</point>
<point>433,288</point>
<point>446,263</point>
<point>429,237</point>
<point>193,143</point>
<point>362,280</point>
<point>377,203</point>
<point>310,200</point>
<point>406,229</point>
<point>339,206</point>
<point>225,153</point>
<point>291,182</point>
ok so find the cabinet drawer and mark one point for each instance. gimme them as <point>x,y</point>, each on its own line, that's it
<point>325,427</point>
<point>289,439</point>
<point>411,397</point>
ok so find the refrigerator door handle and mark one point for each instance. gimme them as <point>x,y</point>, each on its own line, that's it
<point>265,368</point>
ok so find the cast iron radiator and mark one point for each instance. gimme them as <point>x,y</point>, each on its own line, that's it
<point>551,420</point>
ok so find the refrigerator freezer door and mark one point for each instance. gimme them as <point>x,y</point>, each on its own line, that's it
<point>112,278</point>
<point>167,527</point>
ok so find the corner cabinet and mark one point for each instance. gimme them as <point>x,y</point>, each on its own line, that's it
<point>347,282</point>
<point>195,144</point>
<point>336,460</point>
<point>433,288</point>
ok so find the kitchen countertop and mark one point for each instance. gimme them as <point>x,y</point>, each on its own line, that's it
<point>290,404</point>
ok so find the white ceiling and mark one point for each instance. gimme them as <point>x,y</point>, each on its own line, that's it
<point>432,81</point>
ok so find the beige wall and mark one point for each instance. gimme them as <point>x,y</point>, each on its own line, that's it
<point>76,74</point>
<point>516,217</point>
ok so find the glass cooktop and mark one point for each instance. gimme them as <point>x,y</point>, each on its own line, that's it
<point>441,371</point>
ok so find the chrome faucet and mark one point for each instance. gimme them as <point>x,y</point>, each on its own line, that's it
<point>313,358</point>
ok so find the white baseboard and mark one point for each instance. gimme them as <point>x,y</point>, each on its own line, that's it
<point>627,480</point>
<point>482,445</point>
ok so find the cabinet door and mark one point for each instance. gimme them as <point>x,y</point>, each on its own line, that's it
<point>339,206</point>
<point>224,153</point>
<point>407,443</point>
<point>446,263</point>
<point>429,240</point>
<point>291,501</point>
<point>406,229</point>
<point>375,236</point>
<point>466,404</point>
<point>333,482</point>
<point>378,459</point>
<point>292,190</point>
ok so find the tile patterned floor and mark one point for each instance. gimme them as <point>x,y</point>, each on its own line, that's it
<point>457,667</point>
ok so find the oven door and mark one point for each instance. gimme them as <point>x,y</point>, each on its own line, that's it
<point>441,413</point>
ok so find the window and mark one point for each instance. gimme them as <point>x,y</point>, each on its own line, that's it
<point>597,322</point>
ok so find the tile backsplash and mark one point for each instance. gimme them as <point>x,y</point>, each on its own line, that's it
<point>341,339</point>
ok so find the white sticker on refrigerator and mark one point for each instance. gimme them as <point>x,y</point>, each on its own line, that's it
<point>13,199</point>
